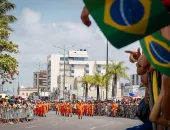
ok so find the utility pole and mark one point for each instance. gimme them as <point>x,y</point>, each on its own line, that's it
<point>64,79</point>
<point>65,49</point>
<point>38,83</point>
<point>107,63</point>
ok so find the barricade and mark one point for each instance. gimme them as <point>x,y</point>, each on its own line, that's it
<point>16,114</point>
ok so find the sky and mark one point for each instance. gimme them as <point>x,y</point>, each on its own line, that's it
<point>44,23</point>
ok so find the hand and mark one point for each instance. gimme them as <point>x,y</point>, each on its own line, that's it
<point>85,17</point>
<point>134,55</point>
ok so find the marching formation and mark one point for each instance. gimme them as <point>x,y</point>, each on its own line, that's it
<point>41,108</point>
<point>104,108</point>
<point>79,108</point>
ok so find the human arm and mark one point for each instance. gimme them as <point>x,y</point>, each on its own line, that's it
<point>155,115</point>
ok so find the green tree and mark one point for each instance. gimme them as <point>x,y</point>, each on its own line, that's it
<point>8,64</point>
<point>115,72</point>
<point>86,80</point>
<point>98,81</point>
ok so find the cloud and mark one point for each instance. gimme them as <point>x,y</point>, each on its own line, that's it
<point>38,38</point>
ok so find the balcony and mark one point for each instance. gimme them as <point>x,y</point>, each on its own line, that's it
<point>62,62</point>
<point>66,69</point>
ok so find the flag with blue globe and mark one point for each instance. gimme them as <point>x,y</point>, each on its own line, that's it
<point>126,21</point>
<point>157,50</point>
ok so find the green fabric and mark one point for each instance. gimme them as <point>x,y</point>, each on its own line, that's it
<point>158,18</point>
<point>157,50</point>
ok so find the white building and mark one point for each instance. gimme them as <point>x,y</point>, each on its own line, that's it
<point>76,65</point>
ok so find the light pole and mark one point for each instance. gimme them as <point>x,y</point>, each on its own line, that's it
<point>107,63</point>
<point>64,49</point>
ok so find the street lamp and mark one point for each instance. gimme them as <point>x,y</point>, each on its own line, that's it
<point>64,49</point>
<point>107,62</point>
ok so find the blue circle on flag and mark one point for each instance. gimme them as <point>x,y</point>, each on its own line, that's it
<point>159,53</point>
<point>127,12</point>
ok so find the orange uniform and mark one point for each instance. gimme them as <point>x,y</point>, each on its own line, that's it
<point>91,109</point>
<point>115,109</point>
<point>62,109</point>
<point>80,110</point>
<point>44,109</point>
<point>69,109</point>
<point>85,112</point>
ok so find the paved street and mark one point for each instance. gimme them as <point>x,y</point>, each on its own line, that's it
<point>53,122</point>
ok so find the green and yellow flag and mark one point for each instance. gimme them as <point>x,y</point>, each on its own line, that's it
<point>126,21</point>
<point>157,50</point>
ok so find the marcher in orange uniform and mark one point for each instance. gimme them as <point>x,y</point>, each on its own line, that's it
<point>62,108</point>
<point>91,109</point>
<point>113,106</point>
<point>65,108</point>
<point>41,109</point>
<point>57,108</point>
<point>36,109</point>
<point>44,109</point>
<point>69,109</point>
<point>115,109</point>
<point>49,106</point>
<point>85,112</point>
<point>80,110</point>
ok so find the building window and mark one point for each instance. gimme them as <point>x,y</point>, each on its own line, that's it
<point>87,71</point>
<point>99,66</point>
<point>87,66</point>
<point>99,71</point>
<point>62,58</point>
<point>26,94</point>
<point>77,58</point>
<point>72,65</point>
<point>23,94</point>
<point>72,71</point>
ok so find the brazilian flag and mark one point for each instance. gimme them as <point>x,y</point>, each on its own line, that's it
<point>126,21</point>
<point>157,50</point>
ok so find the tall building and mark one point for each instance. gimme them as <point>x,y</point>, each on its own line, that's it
<point>40,78</point>
<point>135,79</point>
<point>76,65</point>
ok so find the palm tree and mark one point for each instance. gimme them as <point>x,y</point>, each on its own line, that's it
<point>86,80</point>
<point>5,17</point>
<point>115,72</point>
<point>98,81</point>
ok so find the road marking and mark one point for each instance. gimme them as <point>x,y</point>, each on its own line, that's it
<point>93,128</point>
<point>31,127</point>
<point>104,125</point>
<point>55,124</point>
